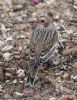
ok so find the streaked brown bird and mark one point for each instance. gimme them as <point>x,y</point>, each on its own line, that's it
<point>44,41</point>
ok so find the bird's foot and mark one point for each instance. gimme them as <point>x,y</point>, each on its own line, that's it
<point>30,81</point>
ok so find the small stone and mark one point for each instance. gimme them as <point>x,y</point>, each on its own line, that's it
<point>28,35</point>
<point>75,2</point>
<point>17,7</point>
<point>21,37</point>
<point>7,48</point>
<point>1,87</point>
<point>19,19</point>
<point>6,96</point>
<point>72,51</point>
<point>3,29</point>
<point>65,75</point>
<point>52,98</point>
<point>8,1</point>
<point>1,74</point>
<point>1,44</point>
<point>15,81</point>
<point>27,41</point>
<point>6,56</point>
<point>75,7</point>
<point>7,7</point>
<point>11,14</point>
<point>74,77</point>
<point>3,15</point>
<point>56,17</point>
<point>17,56</point>
<point>19,88</point>
<point>65,98</point>
<point>20,48</point>
<point>37,97</point>
<point>58,80</point>
<point>8,74</point>
<point>26,51</point>
<point>10,38</point>
<point>75,65</point>
<point>70,1</point>
<point>17,93</point>
<point>56,62</point>
<point>20,73</point>
<point>19,2</point>
<point>66,90</point>
<point>41,5</point>
<point>28,92</point>
<point>49,1</point>
<point>20,70</point>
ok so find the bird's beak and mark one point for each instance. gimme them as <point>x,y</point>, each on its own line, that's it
<point>32,20</point>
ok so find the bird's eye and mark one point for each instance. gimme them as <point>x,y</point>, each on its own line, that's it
<point>42,20</point>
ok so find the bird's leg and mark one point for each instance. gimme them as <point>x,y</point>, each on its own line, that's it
<point>32,77</point>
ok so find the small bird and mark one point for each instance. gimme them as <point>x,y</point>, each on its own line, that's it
<point>44,41</point>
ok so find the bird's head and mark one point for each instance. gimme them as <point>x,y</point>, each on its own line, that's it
<point>45,20</point>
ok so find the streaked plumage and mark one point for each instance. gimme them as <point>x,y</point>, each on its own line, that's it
<point>44,41</point>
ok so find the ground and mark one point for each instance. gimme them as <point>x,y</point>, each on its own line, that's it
<point>54,83</point>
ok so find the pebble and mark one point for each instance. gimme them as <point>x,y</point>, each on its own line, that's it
<point>70,51</point>
<point>65,75</point>
<point>28,92</point>
<point>37,97</point>
<point>11,14</point>
<point>75,7</point>
<point>21,37</point>
<point>66,98</point>
<point>1,74</point>
<point>17,7</point>
<point>20,73</point>
<point>15,81</point>
<point>6,56</point>
<point>70,1</point>
<point>75,2</point>
<point>8,74</point>
<point>7,48</point>
<point>3,29</point>
<point>73,77</point>
<point>10,38</point>
<point>1,44</point>
<point>1,87</point>
<point>52,98</point>
<point>19,19</point>
<point>7,96</point>
<point>17,93</point>
<point>49,1</point>
<point>19,88</point>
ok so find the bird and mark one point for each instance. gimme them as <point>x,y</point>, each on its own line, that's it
<point>44,41</point>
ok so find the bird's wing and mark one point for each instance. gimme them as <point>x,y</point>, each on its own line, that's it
<point>50,43</point>
<point>35,46</point>
<point>43,43</point>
